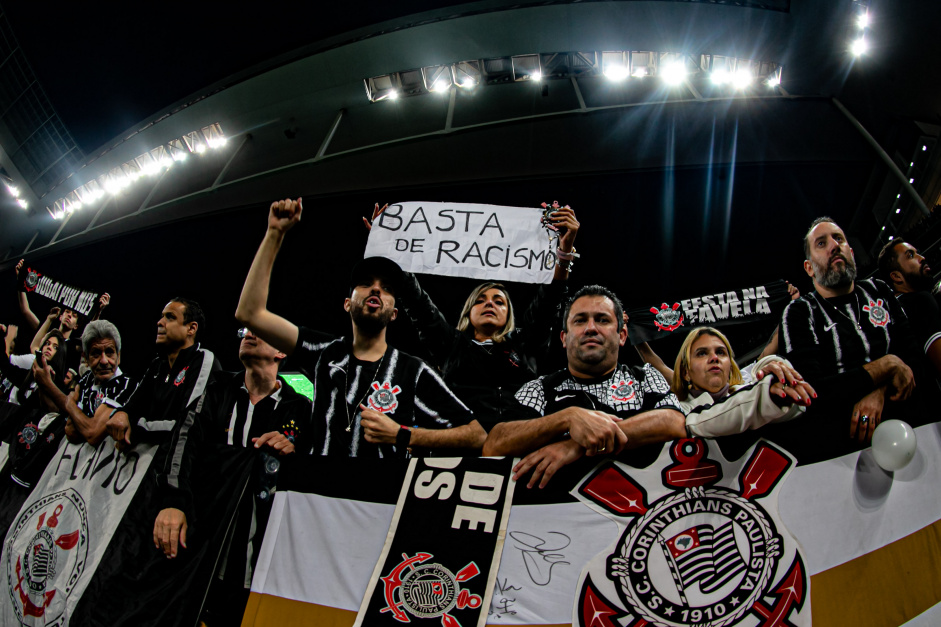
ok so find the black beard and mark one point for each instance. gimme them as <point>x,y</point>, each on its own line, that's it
<point>919,282</point>
<point>371,324</point>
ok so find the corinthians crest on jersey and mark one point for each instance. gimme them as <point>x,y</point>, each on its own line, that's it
<point>701,544</point>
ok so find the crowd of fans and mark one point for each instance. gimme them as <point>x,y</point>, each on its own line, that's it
<point>851,352</point>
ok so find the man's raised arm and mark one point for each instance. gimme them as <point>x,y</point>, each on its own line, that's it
<point>31,320</point>
<point>252,310</point>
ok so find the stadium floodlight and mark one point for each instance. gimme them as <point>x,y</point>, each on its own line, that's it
<point>466,74</point>
<point>899,210</point>
<point>14,191</point>
<point>213,135</point>
<point>22,203</point>
<point>863,20</point>
<point>859,47</point>
<point>195,142</point>
<point>891,237</point>
<point>381,87</point>
<point>74,201</point>
<point>643,63</point>
<point>526,67</point>
<point>394,94</point>
<point>742,78</point>
<point>131,170</point>
<point>437,78</point>
<point>615,65</point>
<point>673,68</point>
<point>411,83</point>
<point>177,150</point>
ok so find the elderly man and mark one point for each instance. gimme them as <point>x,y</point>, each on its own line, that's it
<point>371,400</point>
<point>850,338</point>
<point>103,388</point>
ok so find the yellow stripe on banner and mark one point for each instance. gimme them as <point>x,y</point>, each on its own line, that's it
<point>886,587</point>
<point>264,610</point>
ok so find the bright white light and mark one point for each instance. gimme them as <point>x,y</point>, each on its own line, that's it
<point>741,79</point>
<point>393,95</point>
<point>774,81</point>
<point>640,72</point>
<point>14,191</point>
<point>899,210</point>
<point>674,73</point>
<point>883,228</point>
<point>891,237</point>
<point>217,142</point>
<point>22,203</point>
<point>76,205</point>
<point>912,164</point>
<point>924,147</point>
<point>616,72</point>
<point>59,215</point>
<point>720,77</point>
<point>911,180</point>
<point>863,20</point>
<point>180,156</point>
<point>859,47</point>
<point>200,147</point>
<point>536,76</point>
<point>468,82</point>
<point>898,195</point>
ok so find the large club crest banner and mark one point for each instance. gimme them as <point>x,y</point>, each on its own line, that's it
<point>465,240</point>
<point>667,317</point>
<point>57,540</point>
<point>700,544</point>
<point>82,301</point>
<point>440,560</point>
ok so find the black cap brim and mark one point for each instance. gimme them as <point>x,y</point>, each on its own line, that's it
<point>371,267</point>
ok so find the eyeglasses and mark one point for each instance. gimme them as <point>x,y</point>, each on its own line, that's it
<point>243,333</point>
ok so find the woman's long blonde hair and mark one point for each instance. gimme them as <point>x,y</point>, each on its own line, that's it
<point>681,367</point>
<point>464,324</point>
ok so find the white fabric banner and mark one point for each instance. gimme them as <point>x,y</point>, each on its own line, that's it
<point>465,240</point>
<point>54,545</point>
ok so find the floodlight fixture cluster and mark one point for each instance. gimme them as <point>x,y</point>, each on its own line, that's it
<point>672,68</point>
<point>15,192</point>
<point>149,164</point>
<point>861,22</point>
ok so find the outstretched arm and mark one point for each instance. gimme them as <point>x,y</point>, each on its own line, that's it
<point>379,428</point>
<point>650,357</point>
<point>252,309</point>
<point>31,320</point>
<point>36,344</point>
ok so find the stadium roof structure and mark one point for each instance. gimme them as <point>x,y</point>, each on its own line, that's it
<point>498,91</point>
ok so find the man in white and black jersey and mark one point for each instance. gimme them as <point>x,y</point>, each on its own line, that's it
<point>370,400</point>
<point>850,338</point>
<point>99,392</point>
<point>595,406</point>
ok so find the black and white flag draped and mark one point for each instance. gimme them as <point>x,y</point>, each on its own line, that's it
<point>442,552</point>
<point>81,552</point>
<point>667,317</point>
<point>82,301</point>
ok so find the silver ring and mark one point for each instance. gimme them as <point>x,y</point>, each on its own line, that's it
<point>601,449</point>
<point>864,419</point>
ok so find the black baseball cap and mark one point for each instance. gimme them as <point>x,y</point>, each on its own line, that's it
<point>372,267</point>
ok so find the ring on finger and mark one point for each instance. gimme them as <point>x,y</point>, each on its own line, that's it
<point>864,419</point>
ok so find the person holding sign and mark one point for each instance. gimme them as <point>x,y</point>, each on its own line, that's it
<point>487,357</point>
<point>371,400</point>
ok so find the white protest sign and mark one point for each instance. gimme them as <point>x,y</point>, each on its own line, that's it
<point>474,241</point>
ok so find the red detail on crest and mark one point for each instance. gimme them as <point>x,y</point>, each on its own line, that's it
<point>690,469</point>
<point>873,305</point>
<point>667,327</point>
<point>449,621</point>
<point>762,472</point>
<point>181,377</point>
<point>68,541</point>
<point>468,572</point>
<point>30,608</point>
<point>54,519</point>
<point>394,580</point>
<point>41,518</point>
<point>615,388</point>
<point>790,593</point>
<point>596,612</point>
<point>466,599</point>
<point>615,491</point>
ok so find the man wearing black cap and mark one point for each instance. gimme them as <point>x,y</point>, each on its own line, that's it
<point>370,400</point>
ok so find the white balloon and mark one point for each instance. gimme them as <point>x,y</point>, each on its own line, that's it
<point>893,444</point>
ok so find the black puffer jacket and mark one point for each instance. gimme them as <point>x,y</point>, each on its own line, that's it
<point>485,377</point>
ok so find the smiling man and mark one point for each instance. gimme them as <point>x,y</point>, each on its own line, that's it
<point>850,338</point>
<point>102,389</point>
<point>370,400</point>
<point>595,406</point>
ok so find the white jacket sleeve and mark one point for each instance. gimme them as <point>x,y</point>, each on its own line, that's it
<point>749,407</point>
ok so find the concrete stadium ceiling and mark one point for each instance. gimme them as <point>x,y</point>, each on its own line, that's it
<point>302,124</point>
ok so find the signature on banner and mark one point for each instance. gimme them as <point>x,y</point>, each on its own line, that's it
<point>540,556</point>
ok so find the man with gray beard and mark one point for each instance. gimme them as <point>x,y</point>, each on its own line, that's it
<point>850,338</point>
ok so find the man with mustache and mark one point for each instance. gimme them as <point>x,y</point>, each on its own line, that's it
<point>852,339</point>
<point>908,274</point>
<point>370,400</point>
<point>102,389</point>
